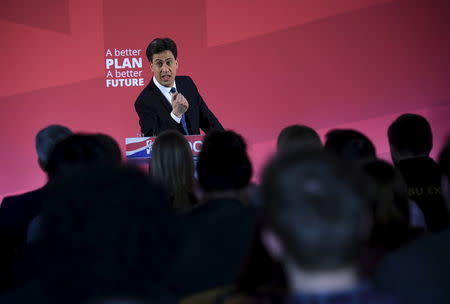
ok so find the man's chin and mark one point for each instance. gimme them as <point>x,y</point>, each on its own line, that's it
<point>166,83</point>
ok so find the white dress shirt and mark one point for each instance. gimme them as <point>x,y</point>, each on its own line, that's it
<point>166,92</point>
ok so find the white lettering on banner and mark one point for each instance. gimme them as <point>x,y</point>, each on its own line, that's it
<point>123,68</point>
<point>128,52</point>
<point>130,82</point>
<point>128,73</point>
<point>124,63</point>
<point>196,146</point>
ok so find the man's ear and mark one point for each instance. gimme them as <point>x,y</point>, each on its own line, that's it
<point>272,243</point>
<point>151,66</point>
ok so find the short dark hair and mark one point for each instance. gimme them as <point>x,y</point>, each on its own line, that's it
<point>46,139</point>
<point>83,150</point>
<point>298,137</point>
<point>444,158</point>
<point>349,145</point>
<point>314,204</point>
<point>411,133</point>
<point>159,45</point>
<point>223,162</point>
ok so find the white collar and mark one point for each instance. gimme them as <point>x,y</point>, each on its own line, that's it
<point>163,89</point>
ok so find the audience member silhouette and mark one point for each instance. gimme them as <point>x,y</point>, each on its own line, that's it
<point>420,272</point>
<point>349,145</point>
<point>172,166</point>
<point>391,216</point>
<point>391,212</point>
<point>99,232</point>
<point>216,234</point>
<point>410,141</point>
<point>16,212</point>
<point>74,153</point>
<point>298,137</point>
<point>314,209</point>
<point>107,233</point>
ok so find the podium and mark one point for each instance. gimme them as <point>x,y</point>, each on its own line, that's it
<point>140,148</point>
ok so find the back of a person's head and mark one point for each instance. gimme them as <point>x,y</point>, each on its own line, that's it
<point>105,232</point>
<point>172,165</point>
<point>223,162</point>
<point>349,145</point>
<point>298,137</point>
<point>83,150</point>
<point>314,205</point>
<point>391,204</point>
<point>46,139</point>
<point>410,135</point>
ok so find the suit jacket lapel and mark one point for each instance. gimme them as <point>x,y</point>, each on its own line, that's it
<point>181,89</point>
<point>160,96</point>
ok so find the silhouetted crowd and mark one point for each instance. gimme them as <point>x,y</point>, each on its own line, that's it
<point>329,223</point>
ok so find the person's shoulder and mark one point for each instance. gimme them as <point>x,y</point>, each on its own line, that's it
<point>24,197</point>
<point>416,253</point>
<point>184,79</point>
<point>145,93</point>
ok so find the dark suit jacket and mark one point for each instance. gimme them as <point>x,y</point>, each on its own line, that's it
<point>154,110</point>
<point>215,237</point>
<point>16,213</point>
<point>420,272</point>
<point>423,177</point>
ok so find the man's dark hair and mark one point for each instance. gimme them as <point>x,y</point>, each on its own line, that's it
<point>106,232</point>
<point>444,158</point>
<point>314,204</point>
<point>223,162</point>
<point>298,137</point>
<point>46,139</point>
<point>349,145</point>
<point>159,45</point>
<point>83,150</point>
<point>411,134</point>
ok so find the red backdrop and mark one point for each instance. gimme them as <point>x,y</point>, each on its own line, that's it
<point>260,67</point>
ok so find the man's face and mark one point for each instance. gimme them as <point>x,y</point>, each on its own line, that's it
<point>164,67</point>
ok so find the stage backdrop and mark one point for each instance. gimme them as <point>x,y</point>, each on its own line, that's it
<point>260,65</point>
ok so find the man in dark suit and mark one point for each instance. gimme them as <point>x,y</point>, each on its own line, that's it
<point>170,101</point>
<point>16,212</point>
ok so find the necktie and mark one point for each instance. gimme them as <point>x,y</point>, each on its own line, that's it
<point>173,90</point>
